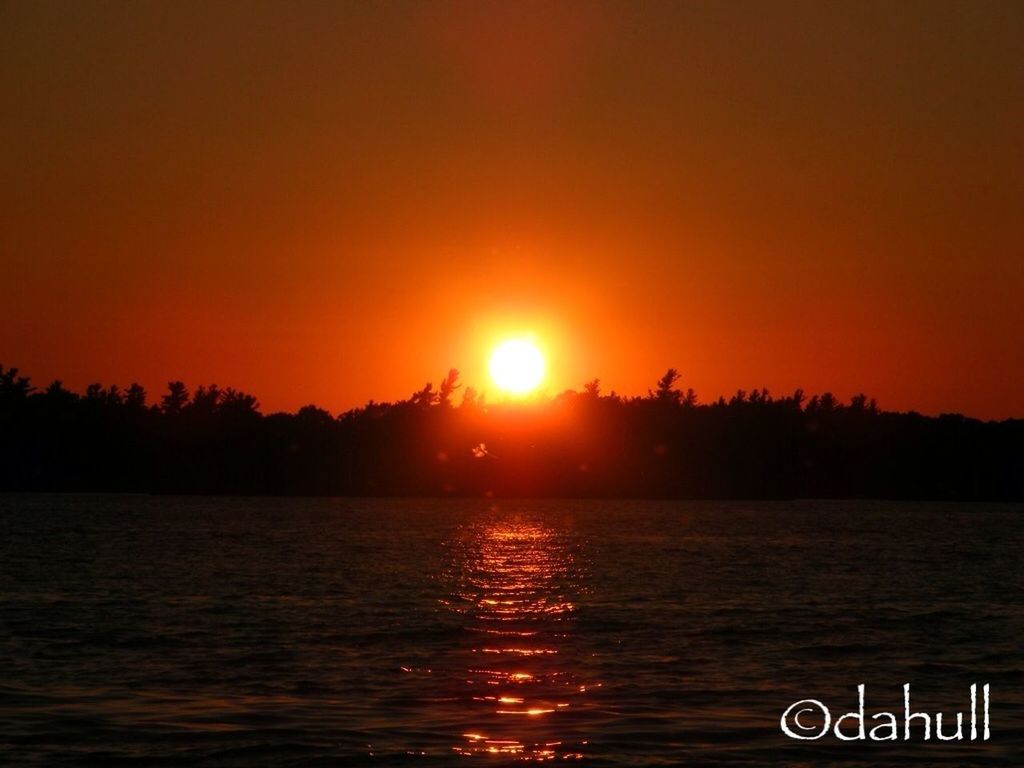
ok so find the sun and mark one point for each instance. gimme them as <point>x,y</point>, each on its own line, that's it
<point>517,366</point>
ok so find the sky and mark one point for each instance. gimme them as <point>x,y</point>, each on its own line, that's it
<point>335,202</point>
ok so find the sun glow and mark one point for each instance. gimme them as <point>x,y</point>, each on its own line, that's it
<point>517,366</point>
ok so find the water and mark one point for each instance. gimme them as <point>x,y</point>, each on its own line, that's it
<point>305,632</point>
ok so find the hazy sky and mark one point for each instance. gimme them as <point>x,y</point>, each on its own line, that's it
<point>333,202</point>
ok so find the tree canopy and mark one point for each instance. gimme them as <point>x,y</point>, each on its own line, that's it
<point>666,444</point>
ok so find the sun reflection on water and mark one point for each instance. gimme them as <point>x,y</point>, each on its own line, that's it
<point>516,582</point>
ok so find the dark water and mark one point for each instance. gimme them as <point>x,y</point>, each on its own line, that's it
<point>224,632</point>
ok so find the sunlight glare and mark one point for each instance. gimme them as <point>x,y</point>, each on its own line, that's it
<point>517,366</point>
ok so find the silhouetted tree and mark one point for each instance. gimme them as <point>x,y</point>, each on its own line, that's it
<point>312,416</point>
<point>176,398</point>
<point>448,386</point>
<point>798,398</point>
<point>425,397</point>
<point>575,444</point>
<point>57,395</point>
<point>666,391</point>
<point>12,385</point>
<point>206,400</point>
<point>231,401</point>
<point>135,396</point>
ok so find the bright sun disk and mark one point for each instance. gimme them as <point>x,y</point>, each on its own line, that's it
<point>517,366</point>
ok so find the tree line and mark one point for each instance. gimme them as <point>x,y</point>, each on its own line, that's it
<point>665,444</point>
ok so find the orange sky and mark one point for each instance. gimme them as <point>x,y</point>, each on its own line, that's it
<point>335,202</point>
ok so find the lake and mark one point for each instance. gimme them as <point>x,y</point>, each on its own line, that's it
<point>143,631</point>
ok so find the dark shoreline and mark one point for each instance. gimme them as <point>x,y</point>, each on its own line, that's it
<point>665,445</point>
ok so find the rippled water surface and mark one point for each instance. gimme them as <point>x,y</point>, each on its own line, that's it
<point>293,632</point>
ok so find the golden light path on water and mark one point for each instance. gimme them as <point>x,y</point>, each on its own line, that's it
<point>515,580</point>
